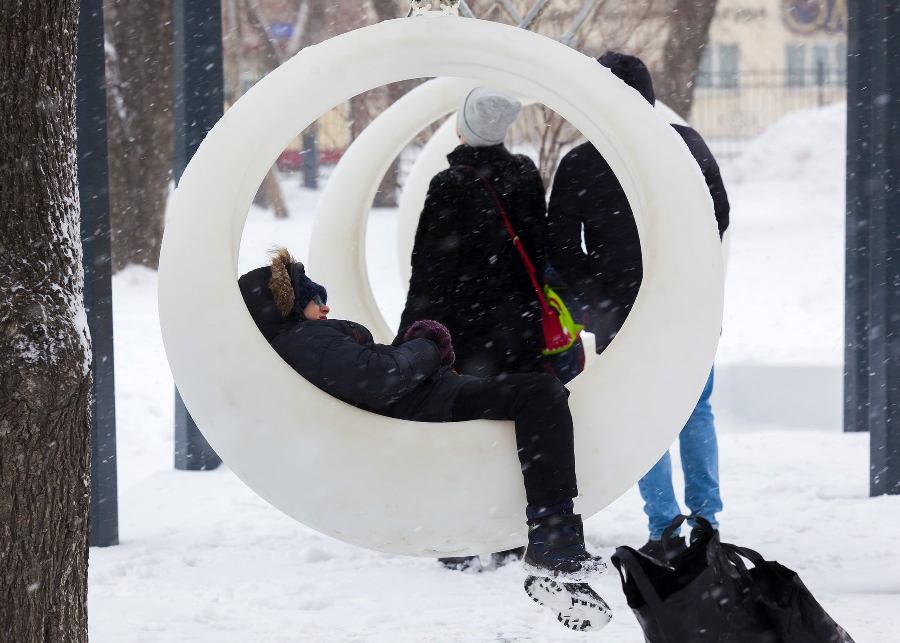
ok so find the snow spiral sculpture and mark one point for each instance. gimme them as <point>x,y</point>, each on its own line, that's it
<point>418,488</point>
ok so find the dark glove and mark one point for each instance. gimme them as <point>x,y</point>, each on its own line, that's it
<point>435,332</point>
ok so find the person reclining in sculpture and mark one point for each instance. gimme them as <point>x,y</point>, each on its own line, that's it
<point>414,380</point>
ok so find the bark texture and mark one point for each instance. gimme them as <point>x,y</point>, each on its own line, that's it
<point>386,196</point>
<point>44,345</point>
<point>269,194</point>
<point>688,34</point>
<point>141,130</point>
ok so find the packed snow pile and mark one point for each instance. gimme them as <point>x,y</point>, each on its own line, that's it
<point>806,147</point>
<point>785,283</point>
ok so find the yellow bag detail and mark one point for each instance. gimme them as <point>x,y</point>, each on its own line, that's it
<point>572,329</point>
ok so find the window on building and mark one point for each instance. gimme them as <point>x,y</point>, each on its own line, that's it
<point>840,67</point>
<point>822,64</point>
<point>720,67</point>
<point>729,66</point>
<point>796,65</point>
<point>705,71</point>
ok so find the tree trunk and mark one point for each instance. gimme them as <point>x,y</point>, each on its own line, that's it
<point>386,196</point>
<point>269,193</point>
<point>44,346</point>
<point>141,129</point>
<point>687,38</point>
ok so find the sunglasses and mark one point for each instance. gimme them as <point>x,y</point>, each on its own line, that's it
<point>319,301</point>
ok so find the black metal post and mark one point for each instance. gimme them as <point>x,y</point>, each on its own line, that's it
<point>310,156</point>
<point>199,103</point>
<point>874,212</point>
<point>93,185</point>
<point>820,82</point>
<point>859,204</point>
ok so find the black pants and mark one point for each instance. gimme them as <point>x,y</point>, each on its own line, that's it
<point>539,405</point>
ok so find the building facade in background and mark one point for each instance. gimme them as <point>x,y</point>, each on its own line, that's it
<point>767,58</point>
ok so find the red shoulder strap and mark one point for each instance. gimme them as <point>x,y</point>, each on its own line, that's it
<point>529,267</point>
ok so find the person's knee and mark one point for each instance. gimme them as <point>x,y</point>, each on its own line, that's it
<point>548,385</point>
<point>542,389</point>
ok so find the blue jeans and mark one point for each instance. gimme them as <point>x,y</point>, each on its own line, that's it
<point>700,462</point>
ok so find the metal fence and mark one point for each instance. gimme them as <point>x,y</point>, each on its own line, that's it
<point>732,108</point>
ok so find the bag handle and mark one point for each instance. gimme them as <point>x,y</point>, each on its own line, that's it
<point>625,557</point>
<point>734,555</point>
<point>717,558</point>
<point>670,530</point>
<point>679,520</point>
<point>529,267</point>
<point>753,556</point>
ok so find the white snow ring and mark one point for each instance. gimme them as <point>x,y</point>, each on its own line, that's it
<point>407,487</point>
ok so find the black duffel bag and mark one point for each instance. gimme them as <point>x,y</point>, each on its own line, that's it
<point>697,598</point>
<point>793,609</point>
<point>707,595</point>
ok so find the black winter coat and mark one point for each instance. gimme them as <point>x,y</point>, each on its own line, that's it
<point>587,198</point>
<point>466,272</point>
<point>342,359</point>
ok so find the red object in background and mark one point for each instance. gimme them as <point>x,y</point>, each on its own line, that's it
<point>292,160</point>
<point>330,157</point>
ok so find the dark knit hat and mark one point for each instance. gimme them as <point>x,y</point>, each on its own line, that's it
<point>305,289</point>
<point>632,70</point>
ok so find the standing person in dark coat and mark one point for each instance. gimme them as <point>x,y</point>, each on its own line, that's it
<point>414,380</point>
<point>466,272</point>
<point>588,200</point>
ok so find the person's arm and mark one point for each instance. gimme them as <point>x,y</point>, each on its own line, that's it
<point>716,187</point>
<point>370,375</point>
<point>712,175</point>
<point>435,255</point>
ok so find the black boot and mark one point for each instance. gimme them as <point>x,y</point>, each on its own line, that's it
<point>556,550</point>
<point>575,605</point>
<point>507,556</point>
<point>462,563</point>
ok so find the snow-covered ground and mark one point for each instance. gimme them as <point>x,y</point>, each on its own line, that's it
<point>204,559</point>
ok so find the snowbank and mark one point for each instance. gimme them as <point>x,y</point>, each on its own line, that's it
<point>807,147</point>
<point>782,344</point>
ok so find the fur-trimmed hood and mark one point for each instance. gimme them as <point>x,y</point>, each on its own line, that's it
<point>273,294</point>
<point>269,295</point>
<point>280,284</point>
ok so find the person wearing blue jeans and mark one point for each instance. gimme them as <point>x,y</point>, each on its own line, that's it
<point>592,241</point>
<point>700,463</point>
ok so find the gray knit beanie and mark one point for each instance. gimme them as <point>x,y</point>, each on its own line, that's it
<point>485,116</point>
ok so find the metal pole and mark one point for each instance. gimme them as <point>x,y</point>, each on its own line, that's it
<point>199,103</point>
<point>859,204</point>
<point>464,9</point>
<point>93,191</point>
<point>820,82</point>
<point>534,14</point>
<point>310,156</point>
<point>874,207</point>
<point>512,11</point>
<point>884,256</point>
<point>568,37</point>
